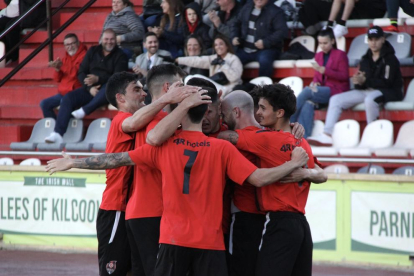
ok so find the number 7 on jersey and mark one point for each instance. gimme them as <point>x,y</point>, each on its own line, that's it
<point>187,169</point>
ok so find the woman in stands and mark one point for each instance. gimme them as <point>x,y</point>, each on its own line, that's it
<point>225,68</point>
<point>170,32</point>
<point>126,25</point>
<point>331,77</point>
<point>193,47</point>
<point>194,24</point>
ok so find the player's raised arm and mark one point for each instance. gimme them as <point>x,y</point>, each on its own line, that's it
<point>168,125</point>
<point>316,175</point>
<point>100,162</point>
<point>229,135</point>
<point>263,177</point>
<point>144,115</point>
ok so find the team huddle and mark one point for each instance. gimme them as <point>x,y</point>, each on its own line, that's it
<point>202,184</point>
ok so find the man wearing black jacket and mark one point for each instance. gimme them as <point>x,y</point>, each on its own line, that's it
<point>99,64</point>
<point>377,81</point>
<point>259,31</point>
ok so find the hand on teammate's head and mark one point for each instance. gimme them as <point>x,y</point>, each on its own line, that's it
<point>196,99</point>
<point>177,92</point>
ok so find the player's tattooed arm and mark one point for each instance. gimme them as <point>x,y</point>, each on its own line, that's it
<point>104,161</point>
<point>229,135</point>
<point>316,175</point>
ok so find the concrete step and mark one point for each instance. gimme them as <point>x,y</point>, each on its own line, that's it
<point>29,95</point>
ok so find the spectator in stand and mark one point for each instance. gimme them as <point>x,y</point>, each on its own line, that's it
<point>377,81</point>
<point>97,67</point>
<point>361,9</point>
<point>9,15</point>
<point>206,5</point>
<point>154,56</point>
<point>194,24</point>
<point>225,67</point>
<point>170,32</point>
<point>66,71</point>
<point>392,8</point>
<point>222,18</point>
<point>193,47</point>
<point>331,77</point>
<point>127,26</point>
<point>259,31</point>
<point>313,12</point>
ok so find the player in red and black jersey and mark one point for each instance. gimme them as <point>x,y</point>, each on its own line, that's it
<point>193,169</point>
<point>144,209</point>
<point>286,245</point>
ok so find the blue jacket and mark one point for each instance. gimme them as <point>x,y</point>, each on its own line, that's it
<point>270,25</point>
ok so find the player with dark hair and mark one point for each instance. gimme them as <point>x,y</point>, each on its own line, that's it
<point>191,234</point>
<point>144,209</point>
<point>286,243</point>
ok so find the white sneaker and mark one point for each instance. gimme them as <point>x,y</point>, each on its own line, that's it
<point>340,30</point>
<point>54,137</point>
<point>78,113</point>
<point>320,140</point>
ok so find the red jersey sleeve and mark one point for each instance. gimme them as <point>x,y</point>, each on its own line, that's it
<point>155,121</point>
<point>145,157</point>
<point>246,139</point>
<point>238,167</point>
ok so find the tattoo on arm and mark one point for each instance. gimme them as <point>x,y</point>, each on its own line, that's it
<point>104,161</point>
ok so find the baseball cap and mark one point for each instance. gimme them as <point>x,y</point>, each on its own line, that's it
<point>375,31</point>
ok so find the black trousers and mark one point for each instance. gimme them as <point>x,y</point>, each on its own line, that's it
<point>174,260</point>
<point>286,247</point>
<point>114,254</point>
<point>245,236</point>
<point>143,236</point>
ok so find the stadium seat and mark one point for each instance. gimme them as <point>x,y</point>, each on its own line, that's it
<point>378,134</point>
<point>345,135</point>
<point>401,43</point>
<point>405,170</point>
<point>99,146</point>
<point>336,168</point>
<point>41,129</point>
<point>318,127</point>
<point>6,161</point>
<point>407,103</point>
<point>31,162</point>
<point>358,23</point>
<point>372,169</point>
<point>309,43</point>
<point>97,133</point>
<point>403,143</point>
<point>218,86</point>
<point>73,134</point>
<point>358,48</point>
<point>261,81</point>
<point>295,83</point>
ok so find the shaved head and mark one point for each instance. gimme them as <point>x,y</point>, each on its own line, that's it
<point>240,99</point>
<point>235,106</point>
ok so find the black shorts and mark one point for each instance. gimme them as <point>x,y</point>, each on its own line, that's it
<point>174,260</point>
<point>245,235</point>
<point>144,236</point>
<point>286,247</point>
<point>114,254</point>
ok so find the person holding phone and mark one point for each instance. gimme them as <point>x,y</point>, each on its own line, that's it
<point>331,78</point>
